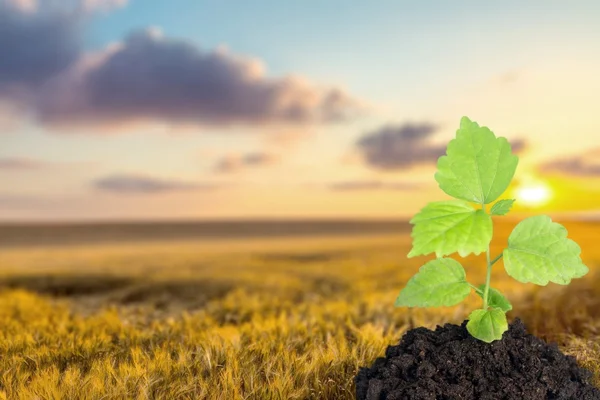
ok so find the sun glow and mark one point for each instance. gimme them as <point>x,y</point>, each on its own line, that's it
<point>533,194</point>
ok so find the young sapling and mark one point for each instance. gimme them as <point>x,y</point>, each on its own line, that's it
<point>476,170</point>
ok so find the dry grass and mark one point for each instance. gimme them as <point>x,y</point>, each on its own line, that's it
<point>254,319</point>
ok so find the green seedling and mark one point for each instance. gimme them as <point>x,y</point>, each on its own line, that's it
<point>476,170</point>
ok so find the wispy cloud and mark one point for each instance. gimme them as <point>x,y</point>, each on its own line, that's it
<point>65,6</point>
<point>103,5</point>
<point>17,163</point>
<point>135,184</point>
<point>22,5</point>
<point>368,185</point>
<point>234,163</point>
<point>30,201</point>
<point>35,164</point>
<point>584,165</point>
<point>507,77</point>
<point>518,146</point>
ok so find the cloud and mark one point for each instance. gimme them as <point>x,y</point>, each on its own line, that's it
<point>10,110</point>
<point>145,78</point>
<point>72,6</point>
<point>348,186</point>
<point>103,5</point>
<point>149,77</point>
<point>28,164</point>
<point>25,6</point>
<point>234,163</point>
<point>518,146</point>
<point>578,166</point>
<point>397,147</point>
<point>15,201</point>
<point>16,163</point>
<point>508,77</point>
<point>34,46</point>
<point>135,184</point>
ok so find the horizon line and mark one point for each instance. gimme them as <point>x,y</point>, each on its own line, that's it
<point>575,216</point>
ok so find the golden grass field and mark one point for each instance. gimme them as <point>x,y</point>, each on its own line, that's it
<point>271,318</point>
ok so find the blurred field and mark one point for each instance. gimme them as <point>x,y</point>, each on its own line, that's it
<point>188,317</point>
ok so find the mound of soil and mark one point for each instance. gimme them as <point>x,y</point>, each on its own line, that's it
<point>450,364</point>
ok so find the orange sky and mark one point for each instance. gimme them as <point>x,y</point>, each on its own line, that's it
<point>191,118</point>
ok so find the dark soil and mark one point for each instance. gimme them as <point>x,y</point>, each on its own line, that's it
<point>449,364</point>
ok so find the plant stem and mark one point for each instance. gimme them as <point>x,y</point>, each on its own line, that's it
<point>497,258</point>
<point>488,277</point>
<point>474,287</point>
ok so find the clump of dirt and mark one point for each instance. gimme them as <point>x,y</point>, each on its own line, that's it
<point>450,364</point>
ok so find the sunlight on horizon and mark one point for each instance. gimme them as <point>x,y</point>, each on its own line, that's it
<point>533,194</point>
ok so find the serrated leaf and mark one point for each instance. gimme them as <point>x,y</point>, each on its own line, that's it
<point>440,282</point>
<point>502,207</point>
<point>495,298</point>
<point>539,252</point>
<point>446,227</point>
<point>487,325</point>
<point>478,166</point>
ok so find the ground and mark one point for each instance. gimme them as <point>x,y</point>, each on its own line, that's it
<point>272,318</point>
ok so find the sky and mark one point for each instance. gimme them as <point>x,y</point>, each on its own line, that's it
<point>193,109</point>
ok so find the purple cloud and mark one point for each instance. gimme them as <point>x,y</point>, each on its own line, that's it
<point>134,184</point>
<point>145,78</point>
<point>518,145</point>
<point>35,46</point>
<point>574,166</point>
<point>397,147</point>
<point>149,77</point>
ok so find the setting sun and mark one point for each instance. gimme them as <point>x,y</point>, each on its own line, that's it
<point>533,195</point>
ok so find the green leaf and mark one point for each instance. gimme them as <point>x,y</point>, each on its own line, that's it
<point>440,282</point>
<point>502,207</point>
<point>478,166</point>
<point>445,227</point>
<point>539,252</point>
<point>487,325</point>
<point>495,298</point>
